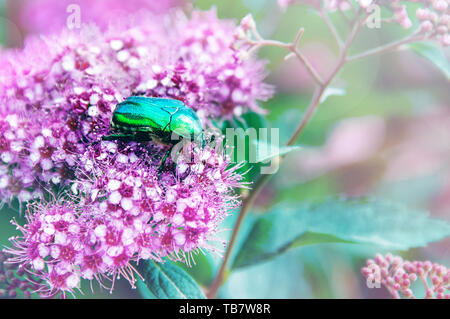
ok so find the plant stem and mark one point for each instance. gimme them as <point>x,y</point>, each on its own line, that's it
<point>294,50</point>
<point>312,71</point>
<point>315,102</point>
<point>332,28</point>
<point>247,203</point>
<point>387,47</point>
<point>262,180</point>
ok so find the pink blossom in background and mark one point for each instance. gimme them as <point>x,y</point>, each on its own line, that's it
<point>285,3</point>
<point>432,15</point>
<point>422,146</point>
<point>351,141</point>
<point>398,276</point>
<point>355,140</point>
<point>291,76</point>
<point>50,16</point>
<point>413,147</point>
<point>71,83</point>
<point>441,203</point>
<point>331,5</point>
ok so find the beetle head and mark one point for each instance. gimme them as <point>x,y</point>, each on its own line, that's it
<point>186,124</point>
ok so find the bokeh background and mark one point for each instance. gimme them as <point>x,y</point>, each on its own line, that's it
<point>386,135</point>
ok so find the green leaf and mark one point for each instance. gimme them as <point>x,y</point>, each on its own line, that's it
<point>246,134</point>
<point>311,238</point>
<point>434,54</point>
<point>202,271</point>
<point>330,91</point>
<point>250,119</point>
<point>166,281</point>
<point>267,151</point>
<point>360,221</point>
<point>311,191</point>
<point>254,120</point>
<point>256,146</point>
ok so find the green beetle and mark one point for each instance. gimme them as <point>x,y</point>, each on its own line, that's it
<point>141,118</point>
<point>150,118</point>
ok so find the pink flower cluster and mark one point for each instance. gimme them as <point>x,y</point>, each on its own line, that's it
<point>330,5</point>
<point>16,280</point>
<point>179,213</point>
<point>51,245</point>
<point>333,5</point>
<point>119,212</point>
<point>50,16</point>
<point>56,100</point>
<point>400,14</point>
<point>435,20</point>
<point>398,276</point>
<point>57,95</point>
<point>434,15</point>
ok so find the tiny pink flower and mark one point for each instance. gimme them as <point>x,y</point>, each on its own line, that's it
<point>398,275</point>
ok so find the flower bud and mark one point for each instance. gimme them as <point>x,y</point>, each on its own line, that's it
<point>248,23</point>
<point>440,5</point>
<point>442,29</point>
<point>408,293</point>
<point>426,26</point>
<point>239,34</point>
<point>365,3</point>
<point>445,20</point>
<point>422,14</point>
<point>379,259</point>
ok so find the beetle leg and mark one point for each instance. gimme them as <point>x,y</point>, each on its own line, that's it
<point>203,140</point>
<point>163,163</point>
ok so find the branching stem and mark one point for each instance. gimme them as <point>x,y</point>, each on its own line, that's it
<point>321,86</point>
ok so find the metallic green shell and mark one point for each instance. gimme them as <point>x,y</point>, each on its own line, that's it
<point>157,116</point>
